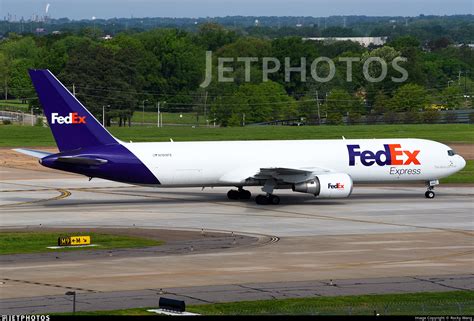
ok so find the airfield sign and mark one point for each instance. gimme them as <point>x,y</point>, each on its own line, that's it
<point>74,240</point>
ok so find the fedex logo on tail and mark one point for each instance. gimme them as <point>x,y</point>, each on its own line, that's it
<point>392,154</point>
<point>72,118</point>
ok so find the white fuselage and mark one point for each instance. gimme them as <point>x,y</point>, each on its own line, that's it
<point>324,168</point>
<point>227,163</point>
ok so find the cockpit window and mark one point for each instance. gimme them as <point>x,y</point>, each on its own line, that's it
<point>451,152</point>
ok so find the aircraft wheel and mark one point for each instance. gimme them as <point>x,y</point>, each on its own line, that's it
<point>233,194</point>
<point>430,194</point>
<point>261,200</point>
<point>244,194</point>
<point>274,200</point>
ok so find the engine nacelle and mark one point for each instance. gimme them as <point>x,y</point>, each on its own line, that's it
<point>337,185</point>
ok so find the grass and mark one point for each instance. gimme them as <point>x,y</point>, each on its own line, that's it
<point>14,105</point>
<point>462,177</point>
<point>424,303</point>
<point>37,242</point>
<point>24,136</point>
<point>168,118</point>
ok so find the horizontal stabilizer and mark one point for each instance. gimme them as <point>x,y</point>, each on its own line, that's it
<point>81,160</point>
<point>31,152</point>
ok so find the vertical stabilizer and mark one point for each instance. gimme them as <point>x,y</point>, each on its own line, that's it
<point>73,126</point>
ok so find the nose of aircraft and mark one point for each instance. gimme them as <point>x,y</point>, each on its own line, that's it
<point>461,162</point>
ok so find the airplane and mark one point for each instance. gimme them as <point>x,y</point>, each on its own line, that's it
<point>323,168</point>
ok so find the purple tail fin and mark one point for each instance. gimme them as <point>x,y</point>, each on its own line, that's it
<point>73,126</point>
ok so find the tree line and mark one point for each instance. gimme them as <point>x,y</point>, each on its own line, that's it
<point>457,28</point>
<point>136,70</point>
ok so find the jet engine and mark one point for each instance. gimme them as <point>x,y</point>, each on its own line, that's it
<point>332,185</point>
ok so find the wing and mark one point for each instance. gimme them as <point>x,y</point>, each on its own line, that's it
<point>279,174</point>
<point>289,175</point>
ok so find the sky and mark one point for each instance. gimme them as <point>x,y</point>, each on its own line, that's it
<point>86,9</point>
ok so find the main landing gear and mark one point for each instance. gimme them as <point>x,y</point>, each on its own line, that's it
<point>263,199</point>
<point>267,199</point>
<point>240,194</point>
<point>430,192</point>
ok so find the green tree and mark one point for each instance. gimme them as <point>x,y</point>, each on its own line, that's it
<point>242,48</point>
<point>453,97</point>
<point>409,97</point>
<point>256,103</point>
<point>381,103</point>
<point>293,48</point>
<point>103,77</point>
<point>337,48</point>
<point>340,101</point>
<point>404,42</point>
<point>213,36</point>
<point>4,74</point>
<point>20,54</point>
<point>174,64</point>
<point>334,119</point>
<point>439,43</point>
<point>387,54</point>
<point>55,55</point>
<point>20,48</point>
<point>91,32</point>
<point>19,81</point>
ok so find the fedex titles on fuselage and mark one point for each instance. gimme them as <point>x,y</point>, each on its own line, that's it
<point>391,154</point>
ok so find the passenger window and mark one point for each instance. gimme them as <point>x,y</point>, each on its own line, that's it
<point>451,152</point>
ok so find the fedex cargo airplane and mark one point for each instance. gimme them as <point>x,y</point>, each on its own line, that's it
<point>323,168</point>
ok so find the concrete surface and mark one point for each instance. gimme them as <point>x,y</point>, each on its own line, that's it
<point>96,301</point>
<point>388,232</point>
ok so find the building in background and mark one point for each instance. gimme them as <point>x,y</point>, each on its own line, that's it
<point>363,41</point>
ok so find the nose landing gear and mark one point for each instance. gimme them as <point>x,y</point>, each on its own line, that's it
<point>430,192</point>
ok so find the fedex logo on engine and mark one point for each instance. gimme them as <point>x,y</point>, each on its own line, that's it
<point>335,186</point>
<point>72,118</point>
<point>392,154</point>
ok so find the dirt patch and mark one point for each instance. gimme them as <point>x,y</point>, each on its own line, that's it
<point>13,159</point>
<point>465,150</point>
